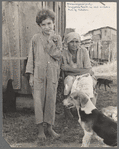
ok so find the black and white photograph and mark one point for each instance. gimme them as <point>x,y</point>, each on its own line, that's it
<point>59,74</point>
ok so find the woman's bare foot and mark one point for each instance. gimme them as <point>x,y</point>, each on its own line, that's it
<point>52,133</point>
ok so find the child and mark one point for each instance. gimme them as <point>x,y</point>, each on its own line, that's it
<point>44,68</point>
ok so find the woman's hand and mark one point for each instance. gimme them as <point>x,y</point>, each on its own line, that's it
<point>31,80</point>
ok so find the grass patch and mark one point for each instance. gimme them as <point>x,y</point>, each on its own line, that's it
<point>20,128</point>
<point>106,69</point>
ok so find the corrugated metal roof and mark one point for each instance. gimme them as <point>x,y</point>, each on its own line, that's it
<point>99,29</point>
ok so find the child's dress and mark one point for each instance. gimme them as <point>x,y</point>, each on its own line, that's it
<point>45,67</point>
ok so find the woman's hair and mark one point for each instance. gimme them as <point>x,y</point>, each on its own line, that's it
<point>44,14</point>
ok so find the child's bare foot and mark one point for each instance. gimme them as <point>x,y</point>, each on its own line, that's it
<point>41,139</point>
<point>52,133</point>
<point>41,135</point>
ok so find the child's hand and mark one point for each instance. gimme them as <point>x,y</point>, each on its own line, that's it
<point>54,38</point>
<point>51,35</point>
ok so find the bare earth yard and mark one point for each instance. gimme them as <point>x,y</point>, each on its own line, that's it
<point>19,129</point>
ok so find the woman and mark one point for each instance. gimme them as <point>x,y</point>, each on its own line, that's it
<point>76,66</point>
<point>44,68</point>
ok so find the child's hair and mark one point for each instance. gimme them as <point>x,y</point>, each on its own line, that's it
<point>44,14</point>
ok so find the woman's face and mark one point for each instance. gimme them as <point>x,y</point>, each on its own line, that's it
<point>73,45</point>
<point>47,26</point>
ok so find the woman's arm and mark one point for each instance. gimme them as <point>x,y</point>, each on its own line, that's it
<point>86,60</point>
<point>75,72</point>
<point>68,68</point>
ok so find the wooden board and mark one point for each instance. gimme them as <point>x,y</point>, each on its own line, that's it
<point>11,44</point>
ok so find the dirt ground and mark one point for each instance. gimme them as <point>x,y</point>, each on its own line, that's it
<point>19,128</point>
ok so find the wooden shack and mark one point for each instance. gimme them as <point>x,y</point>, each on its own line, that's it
<point>103,43</point>
<point>18,27</point>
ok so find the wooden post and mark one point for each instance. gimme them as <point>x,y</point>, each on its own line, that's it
<point>109,54</point>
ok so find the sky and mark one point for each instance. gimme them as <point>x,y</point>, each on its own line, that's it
<point>86,16</point>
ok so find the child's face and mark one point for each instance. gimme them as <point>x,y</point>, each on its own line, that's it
<point>47,26</point>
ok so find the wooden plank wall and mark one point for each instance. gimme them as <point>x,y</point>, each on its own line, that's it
<point>104,48</point>
<point>18,27</point>
<point>11,44</point>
